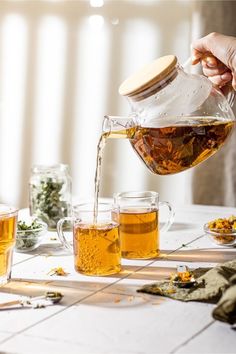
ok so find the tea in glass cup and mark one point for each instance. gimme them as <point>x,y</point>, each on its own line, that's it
<point>8,227</point>
<point>96,241</point>
<point>139,223</point>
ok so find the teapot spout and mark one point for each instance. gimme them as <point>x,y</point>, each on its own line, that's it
<point>119,127</point>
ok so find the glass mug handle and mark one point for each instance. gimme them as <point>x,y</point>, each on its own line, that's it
<point>171,215</point>
<point>61,234</point>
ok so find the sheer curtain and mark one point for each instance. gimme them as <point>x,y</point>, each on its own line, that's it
<point>61,63</point>
<point>214,181</point>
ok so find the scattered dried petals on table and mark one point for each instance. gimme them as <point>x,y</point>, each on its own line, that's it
<point>58,271</point>
<point>130,298</point>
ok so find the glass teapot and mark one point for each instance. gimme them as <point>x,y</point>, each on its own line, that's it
<point>177,119</point>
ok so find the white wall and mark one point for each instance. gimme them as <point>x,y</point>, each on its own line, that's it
<point>60,68</point>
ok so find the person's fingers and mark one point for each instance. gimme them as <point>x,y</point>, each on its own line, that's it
<point>204,44</point>
<point>220,46</point>
<point>196,56</point>
<point>210,60</point>
<point>201,48</point>
<point>226,77</point>
<point>211,65</point>
<point>207,59</point>
<point>217,71</point>
<point>206,56</point>
<point>210,44</point>
<point>221,80</point>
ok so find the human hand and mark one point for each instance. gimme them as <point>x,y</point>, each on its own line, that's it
<point>217,54</point>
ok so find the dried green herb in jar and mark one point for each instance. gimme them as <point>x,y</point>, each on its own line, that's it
<point>50,193</point>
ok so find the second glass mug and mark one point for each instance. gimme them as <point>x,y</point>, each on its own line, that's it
<point>96,245</point>
<point>139,223</point>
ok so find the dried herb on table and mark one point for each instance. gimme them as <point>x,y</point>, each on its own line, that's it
<point>47,201</point>
<point>58,271</point>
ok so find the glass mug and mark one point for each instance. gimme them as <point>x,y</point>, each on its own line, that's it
<point>96,245</point>
<point>139,223</point>
<point>8,227</point>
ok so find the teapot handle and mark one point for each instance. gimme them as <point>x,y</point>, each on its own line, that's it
<point>187,63</point>
<point>229,92</point>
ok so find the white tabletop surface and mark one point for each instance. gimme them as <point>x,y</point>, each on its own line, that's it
<point>106,314</point>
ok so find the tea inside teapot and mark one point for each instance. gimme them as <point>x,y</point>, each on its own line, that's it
<point>172,149</point>
<point>177,120</point>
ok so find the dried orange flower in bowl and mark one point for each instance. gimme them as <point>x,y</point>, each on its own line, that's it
<point>222,231</point>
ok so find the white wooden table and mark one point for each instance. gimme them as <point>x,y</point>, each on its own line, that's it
<point>107,315</point>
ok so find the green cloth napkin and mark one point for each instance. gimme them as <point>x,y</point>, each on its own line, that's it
<point>226,307</point>
<point>210,286</point>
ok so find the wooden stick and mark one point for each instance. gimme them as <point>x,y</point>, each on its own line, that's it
<point>11,303</point>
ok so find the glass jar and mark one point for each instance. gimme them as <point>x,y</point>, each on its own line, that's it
<point>50,196</point>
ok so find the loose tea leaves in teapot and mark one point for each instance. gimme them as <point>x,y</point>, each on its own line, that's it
<point>176,148</point>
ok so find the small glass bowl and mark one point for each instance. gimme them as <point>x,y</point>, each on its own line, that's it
<point>29,240</point>
<point>221,237</point>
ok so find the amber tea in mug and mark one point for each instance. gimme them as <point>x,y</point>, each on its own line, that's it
<point>140,234</point>
<point>96,245</point>
<point>8,226</point>
<point>139,224</point>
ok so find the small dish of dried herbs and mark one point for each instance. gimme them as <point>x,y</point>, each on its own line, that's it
<point>29,234</point>
<point>222,231</point>
<point>184,278</point>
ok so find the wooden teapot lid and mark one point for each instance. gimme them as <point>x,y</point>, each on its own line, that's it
<point>149,75</point>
